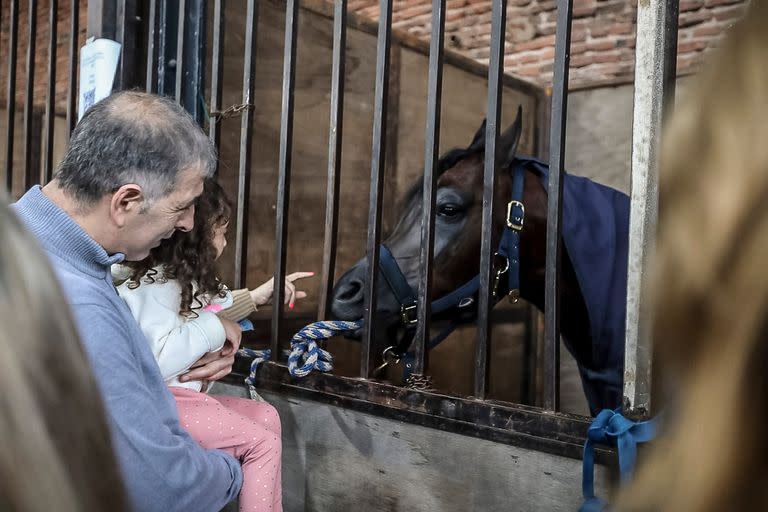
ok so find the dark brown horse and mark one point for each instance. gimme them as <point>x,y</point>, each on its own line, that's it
<point>592,321</point>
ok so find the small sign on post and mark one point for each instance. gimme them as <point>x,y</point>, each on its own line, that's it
<point>98,64</point>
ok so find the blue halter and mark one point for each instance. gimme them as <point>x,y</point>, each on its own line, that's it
<point>460,299</point>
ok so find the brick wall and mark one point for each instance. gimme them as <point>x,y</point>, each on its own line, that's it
<point>603,34</point>
<point>41,51</point>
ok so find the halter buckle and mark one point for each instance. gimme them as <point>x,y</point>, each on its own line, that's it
<point>405,314</point>
<point>515,222</point>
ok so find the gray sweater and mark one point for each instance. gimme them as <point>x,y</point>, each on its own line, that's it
<point>164,469</point>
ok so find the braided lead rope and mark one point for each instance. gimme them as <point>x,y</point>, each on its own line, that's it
<point>305,354</point>
<point>304,350</point>
<point>259,356</point>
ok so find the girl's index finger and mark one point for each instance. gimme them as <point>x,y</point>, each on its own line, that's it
<point>299,275</point>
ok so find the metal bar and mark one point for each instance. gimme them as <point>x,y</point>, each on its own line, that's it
<point>334,157</point>
<point>431,149</point>
<point>32,174</point>
<point>217,71</point>
<point>152,34</point>
<point>378,157</point>
<point>246,132</point>
<point>493,118</point>
<point>180,78</point>
<point>120,31</point>
<point>284,178</point>
<point>50,106</point>
<point>554,206</point>
<point>654,94</point>
<point>192,74</point>
<point>10,106</point>
<point>74,31</point>
<point>165,49</point>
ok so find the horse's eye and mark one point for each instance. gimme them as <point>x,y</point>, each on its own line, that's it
<point>448,210</point>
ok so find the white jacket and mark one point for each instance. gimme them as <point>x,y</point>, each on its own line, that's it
<point>177,341</point>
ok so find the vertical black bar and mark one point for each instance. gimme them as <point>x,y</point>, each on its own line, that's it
<point>381,94</point>
<point>284,179</point>
<point>120,36</point>
<point>217,71</point>
<point>431,148</point>
<point>191,76</point>
<point>50,107</point>
<point>672,16</point>
<point>180,50</point>
<point>493,118</point>
<point>74,31</point>
<point>152,47</point>
<point>10,106</point>
<point>246,130</point>
<point>554,206</point>
<point>32,174</point>
<point>334,157</point>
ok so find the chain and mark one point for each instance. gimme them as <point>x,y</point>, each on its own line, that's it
<point>234,110</point>
<point>419,382</point>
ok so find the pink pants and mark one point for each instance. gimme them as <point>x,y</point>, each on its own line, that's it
<point>246,429</point>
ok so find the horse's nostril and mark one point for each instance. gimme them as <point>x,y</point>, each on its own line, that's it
<point>350,292</point>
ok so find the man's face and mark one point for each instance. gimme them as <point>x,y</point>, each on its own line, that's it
<point>175,211</point>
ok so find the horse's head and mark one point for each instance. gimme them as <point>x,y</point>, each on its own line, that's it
<point>458,230</point>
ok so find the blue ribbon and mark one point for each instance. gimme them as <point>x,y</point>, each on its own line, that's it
<point>611,428</point>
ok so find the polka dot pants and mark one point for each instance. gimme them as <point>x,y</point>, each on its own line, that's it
<point>246,429</point>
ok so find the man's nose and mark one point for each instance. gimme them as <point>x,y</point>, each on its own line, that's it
<point>187,220</point>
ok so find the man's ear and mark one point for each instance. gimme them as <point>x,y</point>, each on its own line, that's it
<point>126,201</point>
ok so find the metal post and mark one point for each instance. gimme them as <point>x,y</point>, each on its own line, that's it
<point>655,60</point>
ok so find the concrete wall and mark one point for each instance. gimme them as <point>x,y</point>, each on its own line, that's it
<point>599,133</point>
<point>338,460</point>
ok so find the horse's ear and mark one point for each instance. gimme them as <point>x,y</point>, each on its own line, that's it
<point>478,141</point>
<point>509,140</point>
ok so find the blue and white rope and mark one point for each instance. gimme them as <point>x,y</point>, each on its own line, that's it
<point>305,354</point>
<point>259,356</point>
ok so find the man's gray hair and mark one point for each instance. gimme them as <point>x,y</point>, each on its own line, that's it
<point>133,137</point>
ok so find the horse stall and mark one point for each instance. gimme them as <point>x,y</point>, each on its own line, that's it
<point>330,130</point>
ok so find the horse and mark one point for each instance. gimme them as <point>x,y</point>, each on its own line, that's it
<point>594,259</point>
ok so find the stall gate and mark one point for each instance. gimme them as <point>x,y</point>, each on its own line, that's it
<point>356,442</point>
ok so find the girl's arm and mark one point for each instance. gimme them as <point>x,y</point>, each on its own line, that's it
<point>177,342</point>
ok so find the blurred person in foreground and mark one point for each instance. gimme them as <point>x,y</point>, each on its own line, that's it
<point>56,452</point>
<point>710,292</point>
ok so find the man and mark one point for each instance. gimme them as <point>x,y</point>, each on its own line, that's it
<point>133,170</point>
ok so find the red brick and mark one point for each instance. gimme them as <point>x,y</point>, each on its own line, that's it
<point>688,19</point>
<point>729,13</point>
<point>690,5</point>
<point>691,46</point>
<point>612,8</point>
<point>601,45</point>
<point>621,28</point>
<point>584,12</point>
<point>706,31</point>
<point>715,3</point>
<point>540,42</point>
<point>577,48</point>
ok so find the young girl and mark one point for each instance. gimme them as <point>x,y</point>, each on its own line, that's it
<point>185,312</point>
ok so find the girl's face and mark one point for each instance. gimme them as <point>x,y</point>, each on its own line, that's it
<point>220,238</point>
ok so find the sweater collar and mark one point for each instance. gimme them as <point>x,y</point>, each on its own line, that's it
<point>62,236</point>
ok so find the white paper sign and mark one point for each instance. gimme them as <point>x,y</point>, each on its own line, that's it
<point>98,64</point>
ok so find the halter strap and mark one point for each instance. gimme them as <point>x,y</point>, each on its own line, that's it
<point>465,295</point>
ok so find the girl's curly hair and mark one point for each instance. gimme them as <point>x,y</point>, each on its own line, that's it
<point>189,257</point>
